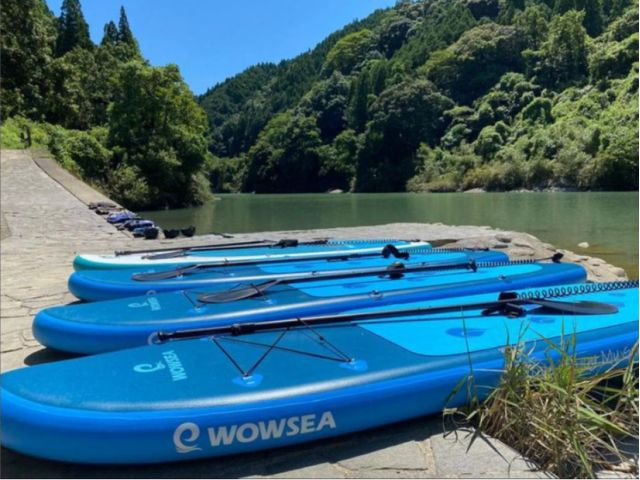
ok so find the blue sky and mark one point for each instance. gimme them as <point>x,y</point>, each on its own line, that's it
<point>211,40</point>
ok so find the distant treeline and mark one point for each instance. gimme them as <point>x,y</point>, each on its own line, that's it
<point>435,95</point>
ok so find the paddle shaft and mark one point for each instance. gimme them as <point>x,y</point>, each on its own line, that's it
<point>394,271</point>
<point>217,246</point>
<point>247,328</point>
<point>386,252</point>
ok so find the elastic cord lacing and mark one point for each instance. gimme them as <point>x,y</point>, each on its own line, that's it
<point>565,291</point>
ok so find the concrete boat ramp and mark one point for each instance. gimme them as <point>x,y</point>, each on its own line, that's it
<point>45,221</point>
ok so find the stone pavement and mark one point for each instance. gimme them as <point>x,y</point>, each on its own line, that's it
<point>44,222</point>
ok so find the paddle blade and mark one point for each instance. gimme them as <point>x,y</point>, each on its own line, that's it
<point>235,294</point>
<point>162,275</point>
<point>577,308</point>
<point>161,256</point>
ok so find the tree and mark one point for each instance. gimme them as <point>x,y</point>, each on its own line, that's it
<point>126,47</point>
<point>593,13</point>
<point>378,76</point>
<point>403,116</point>
<point>563,56</point>
<point>485,8</point>
<point>395,35</point>
<point>73,30</point>
<point>359,107</point>
<point>532,23</point>
<point>466,69</point>
<point>287,156</point>
<point>73,78</point>
<point>328,100</point>
<point>593,21</point>
<point>615,8</point>
<point>443,25</point>
<point>124,31</point>
<point>27,38</point>
<point>110,37</point>
<point>561,7</point>
<point>156,127</point>
<point>349,51</point>
<point>337,166</point>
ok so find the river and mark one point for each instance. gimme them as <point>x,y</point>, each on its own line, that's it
<point>608,221</point>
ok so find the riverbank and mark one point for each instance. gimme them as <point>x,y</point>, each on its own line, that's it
<point>45,222</point>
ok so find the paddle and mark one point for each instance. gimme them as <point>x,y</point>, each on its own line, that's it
<point>508,303</point>
<point>152,250</point>
<point>394,271</point>
<point>284,243</point>
<point>177,251</point>
<point>387,251</point>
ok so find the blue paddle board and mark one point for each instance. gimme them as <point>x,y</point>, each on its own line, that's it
<point>128,322</point>
<point>95,285</point>
<point>221,395</point>
<point>272,251</point>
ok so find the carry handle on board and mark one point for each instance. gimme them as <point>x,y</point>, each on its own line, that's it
<point>508,303</point>
<point>387,251</point>
<point>394,271</point>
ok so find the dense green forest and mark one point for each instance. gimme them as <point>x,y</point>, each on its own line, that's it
<point>133,130</point>
<point>441,96</point>
<point>432,95</point>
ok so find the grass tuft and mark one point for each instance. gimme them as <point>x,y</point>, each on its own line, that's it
<point>567,414</point>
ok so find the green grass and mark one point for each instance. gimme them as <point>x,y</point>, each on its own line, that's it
<point>15,133</point>
<point>568,414</point>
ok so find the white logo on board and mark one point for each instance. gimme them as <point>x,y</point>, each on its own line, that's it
<point>251,431</point>
<point>148,367</point>
<point>171,361</point>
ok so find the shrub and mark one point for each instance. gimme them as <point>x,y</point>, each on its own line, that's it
<point>11,134</point>
<point>127,186</point>
<point>538,173</point>
<point>18,133</point>
<point>441,185</point>
<point>538,111</point>
<point>90,155</point>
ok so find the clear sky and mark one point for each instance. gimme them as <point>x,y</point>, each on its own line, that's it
<point>211,40</point>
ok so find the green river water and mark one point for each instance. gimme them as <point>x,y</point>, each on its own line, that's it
<point>608,221</point>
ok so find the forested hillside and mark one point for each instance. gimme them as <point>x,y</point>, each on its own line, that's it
<point>441,95</point>
<point>431,95</point>
<point>130,129</point>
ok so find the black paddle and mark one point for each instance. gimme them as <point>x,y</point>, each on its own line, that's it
<point>394,271</point>
<point>181,251</point>
<point>387,251</point>
<point>284,243</point>
<point>200,247</point>
<point>508,304</point>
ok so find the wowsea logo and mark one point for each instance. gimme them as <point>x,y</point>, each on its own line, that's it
<point>171,362</point>
<point>187,436</point>
<point>151,302</point>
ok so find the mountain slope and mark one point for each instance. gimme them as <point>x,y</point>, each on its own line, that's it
<point>439,96</point>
